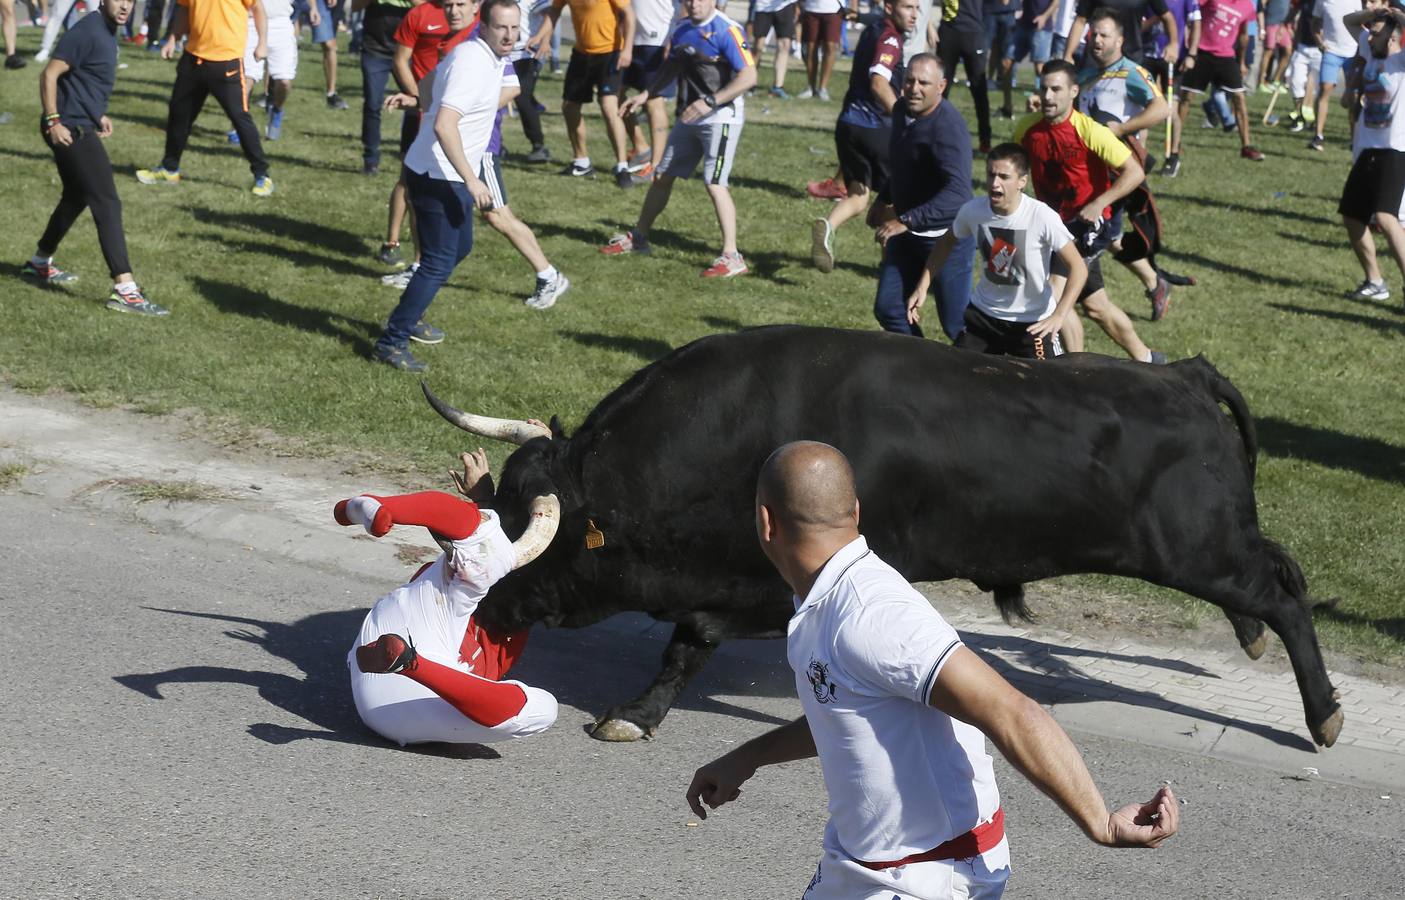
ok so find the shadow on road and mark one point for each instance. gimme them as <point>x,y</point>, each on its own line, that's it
<point>593,668</point>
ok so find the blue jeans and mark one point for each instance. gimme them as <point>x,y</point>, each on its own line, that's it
<point>374,72</point>
<point>903,260</point>
<point>444,215</point>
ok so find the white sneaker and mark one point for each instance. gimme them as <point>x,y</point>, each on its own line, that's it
<point>823,94</point>
<point>400,280</point>
<point>548,292</point>
<point>805,94</point>
<point>1370,290</point>
<point>822,245</point>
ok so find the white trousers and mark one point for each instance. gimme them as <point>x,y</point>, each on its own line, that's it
<point>1303,69</point>
<point>839,877</point>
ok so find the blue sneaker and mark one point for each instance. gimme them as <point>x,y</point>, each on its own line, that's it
<point>274,130</point>
<point>398,358</point>
<point>424,333</point>
<point>233,138</point>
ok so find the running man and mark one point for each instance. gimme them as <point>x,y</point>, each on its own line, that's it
<point>865,122</point>
<point>73,90</point>
<point>1224,40</point>
<point>1014,310</point>
<point>325,17</point>
<point>782,16</point>
<point>714,68</point>
<point>212,63</point>
<point>653,23</point>
<point>1071,160</point>
<point>961,37</point>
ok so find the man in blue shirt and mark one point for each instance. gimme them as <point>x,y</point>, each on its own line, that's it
<point>861,134</point>
<point>930,159</point>
<point>73,90</point>
<point>714,68</point>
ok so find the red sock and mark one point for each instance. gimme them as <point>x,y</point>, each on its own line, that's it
<point>488,703</point>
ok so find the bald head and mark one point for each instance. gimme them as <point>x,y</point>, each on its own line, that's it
<point>808,485</point>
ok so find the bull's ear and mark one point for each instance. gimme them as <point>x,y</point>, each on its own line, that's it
<point>556,430</point>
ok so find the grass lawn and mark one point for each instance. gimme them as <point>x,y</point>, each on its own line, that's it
<point>276,302</point>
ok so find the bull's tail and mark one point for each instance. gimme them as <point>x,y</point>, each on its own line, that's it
<point>1220,388</point>
<point>1287,571</point>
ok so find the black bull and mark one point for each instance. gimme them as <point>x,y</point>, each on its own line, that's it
<point>990,469</point>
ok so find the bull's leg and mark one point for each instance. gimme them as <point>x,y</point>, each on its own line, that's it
<point>1251,633</point>
<point>1273,591</point>
<point>639,718</point>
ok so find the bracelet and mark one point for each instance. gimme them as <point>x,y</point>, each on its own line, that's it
<point>49,121</point>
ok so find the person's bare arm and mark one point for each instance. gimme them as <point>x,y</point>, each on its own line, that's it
<point>260,29</point>
<point>540,42</point>
<point>626,23</point>
<point>720,781</point>
<point>935,260</point>
<point>55,132</point>
<point>1029,738</point>
<point>1075,35</point>
<point>881,89</point>
<point>1173,38</point>
<point>1073,286</point>
<point>180,27</point>
<point>1131,175</point>
<point>404,75</point>
<point>446,129</point>
<point>476,482</point>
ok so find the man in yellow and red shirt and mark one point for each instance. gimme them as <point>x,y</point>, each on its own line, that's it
<point>604,49</point>
<point>1072,161</point>
<point>213,63</point>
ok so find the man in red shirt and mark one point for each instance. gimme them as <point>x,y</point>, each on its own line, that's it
<point>1071,163</point>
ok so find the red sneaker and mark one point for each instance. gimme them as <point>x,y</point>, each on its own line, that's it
<point>1252,153</point>
<point>829,189</point>
<point>726,266</point>
<point>625,242</point>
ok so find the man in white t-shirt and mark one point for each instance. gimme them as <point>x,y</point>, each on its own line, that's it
<point>1013,309</point>
<point>282,62</point>
<point>444,175</point>
<point>653,21</point>
<point>1373,189</point>
<point>1338,44</point>
<point>898,710</point>
<point>781,16</point>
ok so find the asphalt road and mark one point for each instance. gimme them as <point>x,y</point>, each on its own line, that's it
<point>177,724</point>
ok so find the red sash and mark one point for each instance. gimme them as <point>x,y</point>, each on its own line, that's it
<point>973,843</point>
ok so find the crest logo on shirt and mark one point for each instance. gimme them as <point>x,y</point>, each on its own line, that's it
<point>818,673</point>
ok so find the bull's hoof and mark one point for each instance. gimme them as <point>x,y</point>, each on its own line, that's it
<point>1326,733</point>
<point>1259,645</point>
<point>619,731</point>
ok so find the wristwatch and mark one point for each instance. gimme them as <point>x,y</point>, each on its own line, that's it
<point>710,100</point>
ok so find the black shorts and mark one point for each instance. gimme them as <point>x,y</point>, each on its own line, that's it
<point>987,334</point>
<point>782,20</point>
<point>1375,185</point>
<point>863,154</point>
<point>1095,274</point>
<point>409,128</point>
<point>643,66</point>
<point>589,75</point>
<point>1221,71</point>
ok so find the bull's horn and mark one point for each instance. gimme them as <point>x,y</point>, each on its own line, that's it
<point>545,517</point>
<point>510,430</point>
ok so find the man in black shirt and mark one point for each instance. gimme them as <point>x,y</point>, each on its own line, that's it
<point>73,90</point>
<point>377,64</point>
<point>1130,13</point>
<point>962,37</point>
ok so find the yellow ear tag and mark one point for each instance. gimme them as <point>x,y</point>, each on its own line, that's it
<point>594,537</point>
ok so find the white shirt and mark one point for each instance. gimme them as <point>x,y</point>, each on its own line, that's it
<point>469,81</point>
<point>1336,37</point>
<point>916,41</point>
<point>1382,122</point>
<point>1063,19</point>
<point>653,19</point>
<point>1015,251</point>
<point>770,6</point>
<point>820,6</point>
<point>903,777</point>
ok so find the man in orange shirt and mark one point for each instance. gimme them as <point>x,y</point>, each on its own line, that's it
<point>604,49</point>
<point>213,63</point>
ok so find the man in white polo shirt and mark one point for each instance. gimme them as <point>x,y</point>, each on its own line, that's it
<point>897,709</point>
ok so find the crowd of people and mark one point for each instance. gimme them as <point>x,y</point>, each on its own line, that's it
<point>1104,71</point>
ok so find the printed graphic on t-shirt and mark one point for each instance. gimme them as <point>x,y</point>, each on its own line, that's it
<point>818,673</point>
<point>1376,94</point>
<point>1003,250</point>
